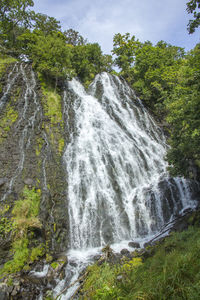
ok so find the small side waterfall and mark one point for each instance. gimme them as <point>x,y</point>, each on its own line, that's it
<point>30,103</point>
<point>12,76</point>
<point>118,185</point>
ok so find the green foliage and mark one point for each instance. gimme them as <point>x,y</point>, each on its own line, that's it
<point>125,49</point>
<point>100,282</point>
<point>15,17</point>
<point>131,264</point>
<point>49,53</point>
<point>55,54</point>
<point>171,273</point>
<point>45,23</point>
<point>37,252</point>
<point>25,212</point>
<point>6,122</point>
<point>54,264</point>
<point>49,258</point>
<point>6,224</point>
<point>88,60</point>
<point>25,220</point>
<point>193,6</point>
<point>151,70</point>
<point>183,107</point>
<point>74,38</point>
<point>21,254</point>
<point>155,69</point>
<point>52,106</point>
<point>5,60</point>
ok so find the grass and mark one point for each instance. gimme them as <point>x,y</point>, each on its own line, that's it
<point>24,221</point>
<point>4,61</point>
<point>173,272</point>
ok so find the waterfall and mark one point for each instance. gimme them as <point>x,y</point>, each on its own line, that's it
<point>114,163</point>
<point>118,185</point>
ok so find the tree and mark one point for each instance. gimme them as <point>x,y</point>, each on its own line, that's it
<point>151,70</point>
<point>49,53</point>
<point>74,38</point>
<point>125,49</point>
<point>88,60</point>
<point>192,7</point>
<point>45,23</point>
<point>183,107</point>
<point>15,18</point>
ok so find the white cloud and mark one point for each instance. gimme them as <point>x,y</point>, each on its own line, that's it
<point>99,20</point>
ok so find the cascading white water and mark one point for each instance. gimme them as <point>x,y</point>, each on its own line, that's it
<point>115,155</point>
<point>118,185</point>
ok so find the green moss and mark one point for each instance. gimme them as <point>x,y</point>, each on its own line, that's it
<point>24,221</point>
<point>61,144</point>
<point>10,281</point>
<point>39,144</point>
<point>6,122</point>
<point>54,264</point>
<point>51,102</point>
<point>49,258</point>
<point>52,107</point>
<point>21,254</point>
<point>37,252</point>
<point>6,224</point>
<point>25,212</point>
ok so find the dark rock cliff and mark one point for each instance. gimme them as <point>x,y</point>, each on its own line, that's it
<point>31,145</point>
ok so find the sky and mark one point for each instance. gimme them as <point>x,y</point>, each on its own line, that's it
<point>99,20</point>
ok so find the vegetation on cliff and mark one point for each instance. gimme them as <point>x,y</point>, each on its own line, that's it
<point>21,226</point>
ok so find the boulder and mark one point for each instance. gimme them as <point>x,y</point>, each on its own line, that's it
<point>134,245</point>
<point>125,252</point>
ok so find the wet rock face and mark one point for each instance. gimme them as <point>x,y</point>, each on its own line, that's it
<point>28,155</point>
<point>174,193</point>
<point>2,181</point>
